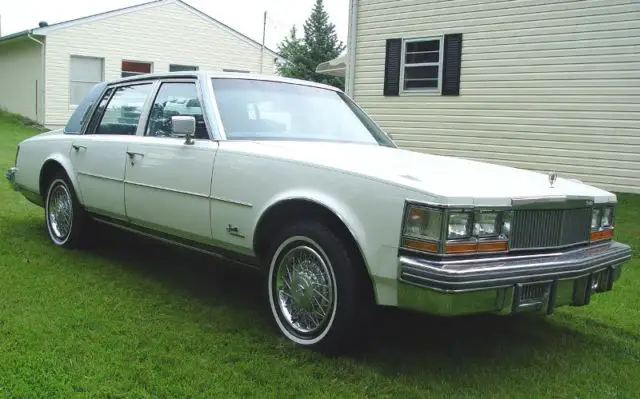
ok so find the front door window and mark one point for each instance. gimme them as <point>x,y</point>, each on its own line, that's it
<point>174,99</point>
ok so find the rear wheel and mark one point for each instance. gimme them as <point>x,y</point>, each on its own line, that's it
<point>65,219</point>
<point>318,295</point>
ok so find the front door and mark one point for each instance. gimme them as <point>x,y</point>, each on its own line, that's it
<point>168,182</point>
<point>99,156</point>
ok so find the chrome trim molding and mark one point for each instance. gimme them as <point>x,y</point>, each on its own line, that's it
<point>230,201</point>
<point>499,271</point>
<point>176,242</point>
<point>98,176</point>
<point>173,190</point>
<point>510,284</point>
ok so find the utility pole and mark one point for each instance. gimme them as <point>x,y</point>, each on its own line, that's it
<point>264,30</point>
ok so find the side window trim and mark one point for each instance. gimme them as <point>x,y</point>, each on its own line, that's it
<point>96,116</point>
<point>146,108</point>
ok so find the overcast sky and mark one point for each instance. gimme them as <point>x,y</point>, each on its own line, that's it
<point>245,16</point>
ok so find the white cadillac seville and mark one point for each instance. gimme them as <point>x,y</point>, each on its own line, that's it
<point>293,178</point>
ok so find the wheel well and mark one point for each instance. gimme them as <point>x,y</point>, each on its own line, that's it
<point>49,169</point>
<point>288,211</point>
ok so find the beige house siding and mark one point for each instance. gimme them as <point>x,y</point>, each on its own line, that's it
<point>21,78</point>
<point>163,35</point>
<point>545,85</point>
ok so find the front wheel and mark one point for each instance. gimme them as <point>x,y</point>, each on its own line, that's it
<point>318,292</point>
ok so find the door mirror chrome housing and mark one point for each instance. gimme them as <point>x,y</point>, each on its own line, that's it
<point>184,126</point>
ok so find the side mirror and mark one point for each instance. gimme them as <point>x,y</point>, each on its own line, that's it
<point>184,126</point>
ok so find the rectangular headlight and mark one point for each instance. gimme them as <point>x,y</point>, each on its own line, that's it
<point>505,229</point>
<point>423,223</point>
<point>459,226</point>
<point>606,218</point>
<point>595,218</point>
<point>485,224</point>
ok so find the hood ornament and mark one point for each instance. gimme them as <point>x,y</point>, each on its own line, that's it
<point>552,178</point>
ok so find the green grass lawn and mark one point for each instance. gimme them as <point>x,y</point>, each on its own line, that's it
<point>133,318</point>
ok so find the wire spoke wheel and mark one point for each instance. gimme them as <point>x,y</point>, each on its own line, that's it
<point>59,212</point>
<point>304,289</point>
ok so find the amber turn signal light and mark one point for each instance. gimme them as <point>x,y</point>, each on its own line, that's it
<point>420,245</point>
<point>492,246</point>
<point>472,247</point>
<point>601,235</point>
<point>461,248</point>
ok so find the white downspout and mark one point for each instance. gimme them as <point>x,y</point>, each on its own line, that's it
<point>351,48</point>
<point>42,71</point>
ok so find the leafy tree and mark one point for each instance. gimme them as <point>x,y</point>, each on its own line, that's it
<point>320,44</point>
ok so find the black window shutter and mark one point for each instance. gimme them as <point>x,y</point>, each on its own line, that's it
<point>451,65</point>
<point>392,67</point>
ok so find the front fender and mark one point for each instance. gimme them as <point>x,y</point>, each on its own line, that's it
<point>340,209</point>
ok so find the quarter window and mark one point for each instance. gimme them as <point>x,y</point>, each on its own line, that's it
<point>133,68</point>
<point>421,64</point>
<point>175,99</point>
<point>122,112</point>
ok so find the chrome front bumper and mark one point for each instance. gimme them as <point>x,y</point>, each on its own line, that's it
<point>512,283</point>
<point>11,176</point>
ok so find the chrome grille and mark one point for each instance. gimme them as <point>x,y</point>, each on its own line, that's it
<point>548,228</point>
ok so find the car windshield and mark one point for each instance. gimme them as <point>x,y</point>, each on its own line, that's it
<point>267,110</point>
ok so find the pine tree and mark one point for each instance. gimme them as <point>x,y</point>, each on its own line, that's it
<point>293,51</point>
<point>320,44</point>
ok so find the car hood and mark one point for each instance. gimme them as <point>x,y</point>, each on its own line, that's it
<point>454,180</point>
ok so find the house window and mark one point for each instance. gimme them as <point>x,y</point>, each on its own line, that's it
<point>421,67</point>
<point>178,68</point>
<point>234,70</point>
<point>84,73</point>
<point>132,68</point>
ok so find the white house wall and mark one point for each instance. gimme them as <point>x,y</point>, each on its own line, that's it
<point>21,78</point>
<point>163,35</point>
<point>545,85</point>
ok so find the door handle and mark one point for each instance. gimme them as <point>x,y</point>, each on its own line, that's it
<point>132,156</point>
<point>77,147</point>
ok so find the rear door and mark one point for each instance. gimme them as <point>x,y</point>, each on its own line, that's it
<point>99,155</point>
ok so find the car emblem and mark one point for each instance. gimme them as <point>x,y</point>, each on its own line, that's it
<point>552,178</point>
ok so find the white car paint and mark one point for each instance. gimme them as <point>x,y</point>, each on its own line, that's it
<point>98,163</point>
<point>168,185</point>
<point>200,191</point>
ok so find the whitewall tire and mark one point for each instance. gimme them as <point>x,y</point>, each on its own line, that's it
<point>64,217</point>
<point>318,297</point>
